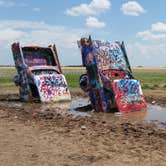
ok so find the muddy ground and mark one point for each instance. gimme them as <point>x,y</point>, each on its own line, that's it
<point>54,138</point>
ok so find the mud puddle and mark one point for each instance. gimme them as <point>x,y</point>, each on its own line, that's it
<point>81,107</point>
<point>152,113</point>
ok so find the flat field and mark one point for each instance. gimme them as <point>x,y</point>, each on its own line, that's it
<point>150,78</point>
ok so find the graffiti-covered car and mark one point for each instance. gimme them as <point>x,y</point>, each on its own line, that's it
<point>109,79</point>
<point>39,74</point>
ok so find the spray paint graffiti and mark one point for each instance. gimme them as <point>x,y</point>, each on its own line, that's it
<point>39,74</point>
<point>35,60</point>
<point>22,79</point>
<point>89,61</point>
<point>109,55</point>
<point>128,95</point>
<point>52,87</point>
<point>110,81</point>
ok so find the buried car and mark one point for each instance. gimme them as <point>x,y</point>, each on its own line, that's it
<point>108,78</point>
<point>39,74</point>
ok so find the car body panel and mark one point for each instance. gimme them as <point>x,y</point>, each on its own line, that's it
<point>52,87</point>
<point>106,65</point>
<point>36,64</point>
<point>128,95</point>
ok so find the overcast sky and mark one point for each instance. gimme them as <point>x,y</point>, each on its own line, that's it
<point>140,24</point>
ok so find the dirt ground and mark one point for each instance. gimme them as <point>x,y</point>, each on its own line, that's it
<point>61,139</point>
<point>157,96</point>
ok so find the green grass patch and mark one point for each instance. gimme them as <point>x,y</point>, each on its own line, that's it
<point>72,80</point>
<point>9,85</point>
<point>149,78</point>
<point>6,80</point>
<point>72,76</point>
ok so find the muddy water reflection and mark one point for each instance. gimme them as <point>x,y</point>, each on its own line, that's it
<point>153,112</point>
<point>44,108</point>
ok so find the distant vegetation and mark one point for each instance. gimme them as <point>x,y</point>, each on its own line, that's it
<point>73,66</point>
<point>6,65</point>
<point>150,78</point>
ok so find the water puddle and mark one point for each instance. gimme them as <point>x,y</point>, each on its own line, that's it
<point>156,113</point>
<point>153,112</point>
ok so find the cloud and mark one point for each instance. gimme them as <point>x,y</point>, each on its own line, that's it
<point>94,23</point>
<point>157,32</point>
<point>10,34</point>
<point>159,27</point>
<point>83,9</point>
<point>148,35</point>
<point>36,9</point>
<point>23,4</point>
<point>37,32</point>
<point>7,4</point>
<point>132,8</point>
<point>152,50</point>
<point>93,8</point>
<point>42,34</point>
<point>146,54</point>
